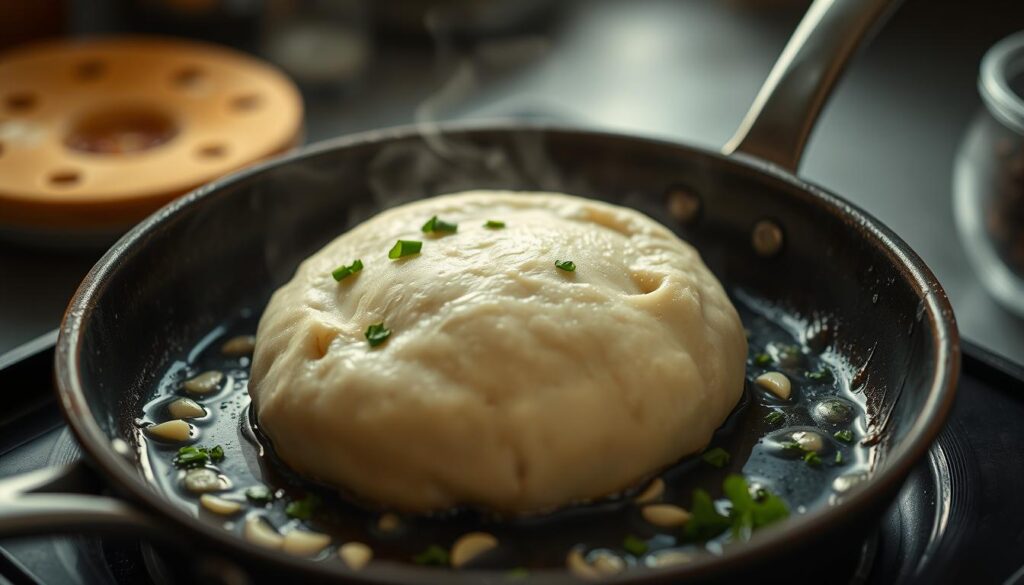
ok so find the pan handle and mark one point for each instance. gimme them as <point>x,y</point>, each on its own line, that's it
<point>782,116</point>
<point>58,500</point>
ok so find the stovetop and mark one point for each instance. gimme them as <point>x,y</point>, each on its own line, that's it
<point>957,519</point>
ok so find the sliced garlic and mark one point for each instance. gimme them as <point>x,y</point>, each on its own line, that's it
<point>219,505</point>
<point>665,515</point>
<point>355,555</point>
<point>239,346</point>
<point>203,480</point>
<point>809,441</point>
<point>186,408</point>
<point>667,558</point>
<point>172,430</point>
<point>388,522</point>
<point>776,383</point>
<point>607,563</point>
<point>305,543</point>
<point>471,545</point>
<point>260,533</point>
<point>205,383</point>
<point>579,566</point>
<point>652,492</point>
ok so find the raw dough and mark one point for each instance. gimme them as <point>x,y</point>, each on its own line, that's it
<point>506,383</point>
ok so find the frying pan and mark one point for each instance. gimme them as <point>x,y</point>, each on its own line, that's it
<point>758,226</point>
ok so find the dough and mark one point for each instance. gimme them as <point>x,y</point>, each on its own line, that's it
<point>507,383</point>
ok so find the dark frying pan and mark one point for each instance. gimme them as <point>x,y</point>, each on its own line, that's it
<point>757,225</point>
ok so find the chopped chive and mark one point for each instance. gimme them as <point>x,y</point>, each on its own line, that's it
<point>811,458</point>
<point>717,457</point>
<point>762,359</point>
<point>433,556</point>
<point>435,225</point>
<point>403,248</point>
<point>839,457</point>
<point>343,272</point>
<point>791,447</point>
<point>377,334</point>
<point>494,225</point>
<point>566,265</point>
<point>302,509</point>
<point>634,546</point>
<point>258,494</point>
<point>193,456</point>
<point>845,435</point>
<point>774,418</point>
<point>818,375</point>
<point>217,454</point>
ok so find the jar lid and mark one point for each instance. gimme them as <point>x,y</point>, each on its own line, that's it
<point>1002,68</point>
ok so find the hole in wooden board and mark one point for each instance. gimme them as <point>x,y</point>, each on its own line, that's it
<point>90,70</point>
<point>189,78</point>
<point>21,101</point>
<point>246,102</point>
<point>212,151</point>
<point>121,129</point>
<point>65,178</point>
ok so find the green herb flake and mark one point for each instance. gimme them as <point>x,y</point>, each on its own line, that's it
<point>217,454</point>
<point>819,375</point>
<point>517,574</point>
<point>812,459</point>
<point>433,556</point>
<point>774,418</point>
<point>762,359</point>
<point>749,513</point>
<point>791,447</point>
<point>192,456</point>
<point>435,225</point>
<point>717,457</point>
<point>705,521</point>
<point>634,545</point>
<point>845,435</point>
<point>839,457</point>
<point>342,272</point>
<point>258,494</point>
<point>302,509</point>
<point>403,248</point>
<point>377,334</point>
<point>566,265</point>
<point>494,225</point>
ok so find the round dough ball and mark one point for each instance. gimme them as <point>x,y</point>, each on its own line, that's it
<point>507,383</point>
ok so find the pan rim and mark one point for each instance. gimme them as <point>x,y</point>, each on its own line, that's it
<point>800,529</point>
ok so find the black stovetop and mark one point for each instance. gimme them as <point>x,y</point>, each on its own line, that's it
<point>958,518</point>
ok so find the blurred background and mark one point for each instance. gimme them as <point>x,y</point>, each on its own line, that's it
<point>684,70</point>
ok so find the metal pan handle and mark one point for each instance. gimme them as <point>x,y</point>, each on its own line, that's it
<point>779,122</point>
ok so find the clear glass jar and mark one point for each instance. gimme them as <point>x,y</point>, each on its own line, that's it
<point>988,176</point>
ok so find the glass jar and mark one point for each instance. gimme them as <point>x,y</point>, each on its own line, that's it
<point>988,176</point>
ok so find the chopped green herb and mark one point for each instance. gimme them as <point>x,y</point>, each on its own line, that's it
<point>748,513</point>
<point>258,494</point>
<point>517,574</point>
<point>774,418</point>
<point>435,225</point>
<point>789,355</point>
<point>839,457</point>
<point>818,375</point>
<point>566,265</point>
<point>634,546</point>
<point>434,556</point>
<point>845,435</point>
<point>494,225</point>
<point>302,509</point>
<point>192,456</point>
<point>791,448</point>
<point>811,458</point>
<point>762,359</point>
<point>717,457</point>
<point>705,521</point>
<point>377,334</point>
<point>342,272</point>
<point>403,248</point>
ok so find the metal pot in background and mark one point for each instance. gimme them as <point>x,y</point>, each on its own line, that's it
<point>988,181</point>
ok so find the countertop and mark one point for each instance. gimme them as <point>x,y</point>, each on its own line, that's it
<point>685,71</point>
